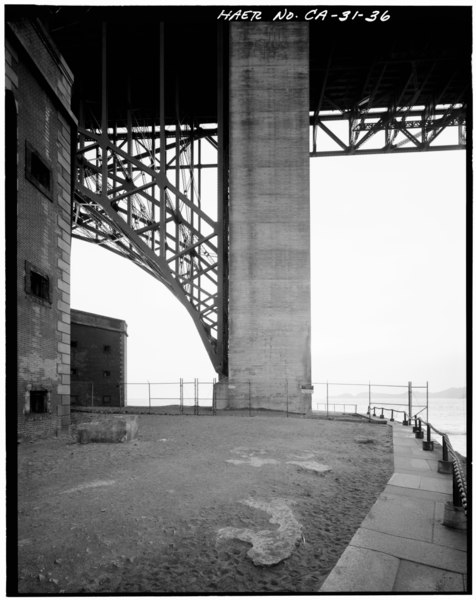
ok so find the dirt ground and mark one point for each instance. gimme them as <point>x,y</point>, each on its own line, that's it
<point>143,516</point>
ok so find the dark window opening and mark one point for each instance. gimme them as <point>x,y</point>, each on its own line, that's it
<point>107,349</point>
<point>106,373</point>
<point>38,401</point>
<point>74,344</point>
<point>37,283</point>
<point>74,371</point>
<point>38,172</point>
<point>74,399</point>
<point>106,400</point>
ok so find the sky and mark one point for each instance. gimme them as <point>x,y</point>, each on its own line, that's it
<point>388,279</point>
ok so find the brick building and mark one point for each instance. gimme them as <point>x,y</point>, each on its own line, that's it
<point>39,132</point>
<point>98,360</point>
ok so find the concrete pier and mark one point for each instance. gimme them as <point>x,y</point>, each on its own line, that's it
<point>269,270</point>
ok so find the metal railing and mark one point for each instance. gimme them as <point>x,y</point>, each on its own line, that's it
<point>450,462</point>
<point>409,387</point>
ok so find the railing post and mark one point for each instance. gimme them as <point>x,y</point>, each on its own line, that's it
<point>374,415</point>
<point>419,433</point>
<point>381,413</point>
<point>445,466</point>
<point>409,400</point>
<point>405,422</point>
<point>428,444</point>
<point>391,418</point>
<point>415,426</point>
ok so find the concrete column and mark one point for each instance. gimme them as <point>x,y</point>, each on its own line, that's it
<point>269,262</point>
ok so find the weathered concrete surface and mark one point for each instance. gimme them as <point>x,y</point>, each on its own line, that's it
<point>402,544</point>
<point>114,429</point>
<point>269,268</point>
<point>269,547</point>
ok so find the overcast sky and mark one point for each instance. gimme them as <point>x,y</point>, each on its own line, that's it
<point>388,279</point>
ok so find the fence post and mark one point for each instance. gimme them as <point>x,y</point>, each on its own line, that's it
<point>196,407</point>
<point>214,398</point>
<point>327,399</point>
<point>370,402</point>
<point>181,396</point>
<point>409,400</point>
<point>405,422</point>
<point>391,418</point>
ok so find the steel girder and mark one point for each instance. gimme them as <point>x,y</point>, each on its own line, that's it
<point>405,129</point>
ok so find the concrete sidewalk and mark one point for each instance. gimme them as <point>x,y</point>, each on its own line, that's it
<point>402,545</point>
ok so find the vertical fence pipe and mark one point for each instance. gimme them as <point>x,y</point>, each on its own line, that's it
<point>181,396</point>
<point>409,401</point>
<point>197,410</point>
<point>327,399</point>
<point>214,398</point>
<point>370,402</point>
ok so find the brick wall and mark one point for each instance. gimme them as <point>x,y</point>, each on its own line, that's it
<point>41,85</point>
<point>98,360</point>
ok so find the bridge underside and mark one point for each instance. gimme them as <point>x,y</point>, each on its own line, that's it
<point>193,148</point>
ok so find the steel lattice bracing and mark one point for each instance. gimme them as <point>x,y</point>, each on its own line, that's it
<point>125,203</point>
<point>398,130</point>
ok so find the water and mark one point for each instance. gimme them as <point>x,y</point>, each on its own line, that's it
<point>448,415</point>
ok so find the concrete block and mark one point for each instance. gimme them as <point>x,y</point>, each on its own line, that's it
<point>418,551</point>
<point>361,570</point>
<point>112,430</point>
<point>412,577</point>
<point>403,516</point>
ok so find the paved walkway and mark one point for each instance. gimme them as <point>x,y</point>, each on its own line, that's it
<point>402,545</point>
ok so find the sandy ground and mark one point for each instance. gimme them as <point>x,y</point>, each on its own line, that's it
<point>144,516</point>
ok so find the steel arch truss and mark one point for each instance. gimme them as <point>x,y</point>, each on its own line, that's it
<point>139,194</point>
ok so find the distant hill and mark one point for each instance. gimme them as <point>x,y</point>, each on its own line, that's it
<point>455,393</point>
